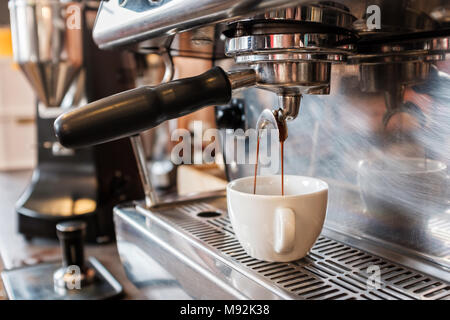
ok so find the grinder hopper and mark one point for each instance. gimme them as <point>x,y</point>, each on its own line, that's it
<point>47,45</point>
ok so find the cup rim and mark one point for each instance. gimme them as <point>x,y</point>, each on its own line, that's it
<point>274,196</point>
<point>367,164</point>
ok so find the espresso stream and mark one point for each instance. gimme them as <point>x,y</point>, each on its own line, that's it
<point>282,134</point>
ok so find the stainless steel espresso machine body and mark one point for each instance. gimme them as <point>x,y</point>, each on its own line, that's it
<point>52,44</point>
<point>364,89</point>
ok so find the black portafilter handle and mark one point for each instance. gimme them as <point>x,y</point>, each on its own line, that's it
<point>130,112</point>
<point>71,237</point>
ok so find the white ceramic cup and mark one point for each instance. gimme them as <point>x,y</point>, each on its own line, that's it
<point>278,228</point>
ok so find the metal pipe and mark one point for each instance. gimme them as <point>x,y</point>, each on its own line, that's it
<point>151,197</point>
<point>144,21</point>
<point>242,78</point>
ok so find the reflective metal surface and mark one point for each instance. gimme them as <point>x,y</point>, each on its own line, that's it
<point>151,197</point>
<point>329,13</point>
<point>36,283</point>
<point>379,136</point>
<point>318,46</point>
<point>148,19</point>
<point>242,78</point>
<point>46,45</point>
<point>292,49</point>
<point>195,243</point>
<point>334,134</point>
<point>63,280</point>
<point>294,77</point>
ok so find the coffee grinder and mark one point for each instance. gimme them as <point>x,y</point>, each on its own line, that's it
<point>53,46</point>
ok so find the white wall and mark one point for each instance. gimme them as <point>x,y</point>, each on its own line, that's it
<point>17,119</point>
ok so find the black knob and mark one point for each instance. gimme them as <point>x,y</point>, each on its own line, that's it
<point>231,116</point>
<point>71,237</point>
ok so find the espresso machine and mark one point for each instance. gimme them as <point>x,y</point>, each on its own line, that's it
<point>363,87</point>
<point>52,42</point>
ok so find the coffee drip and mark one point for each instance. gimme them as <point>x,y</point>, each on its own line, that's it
<point>277,119</point>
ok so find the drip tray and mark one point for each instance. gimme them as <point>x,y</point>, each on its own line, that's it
<point>195,247</point>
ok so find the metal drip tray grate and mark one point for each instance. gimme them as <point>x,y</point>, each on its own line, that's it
<point>332,270</point>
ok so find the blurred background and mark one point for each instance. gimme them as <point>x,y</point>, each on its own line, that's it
<point>17,109</point>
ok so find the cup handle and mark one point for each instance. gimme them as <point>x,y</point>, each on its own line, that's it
<point>284,230</point>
